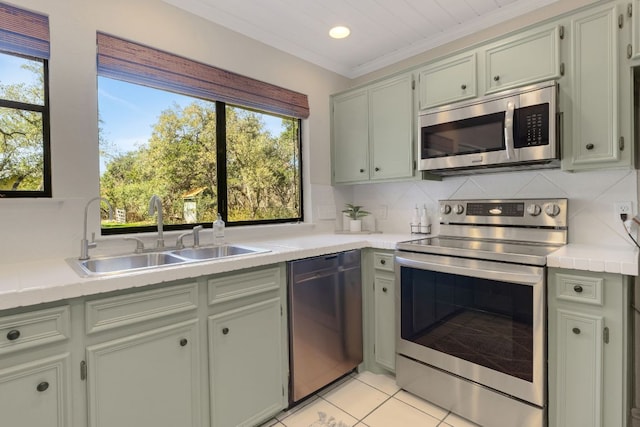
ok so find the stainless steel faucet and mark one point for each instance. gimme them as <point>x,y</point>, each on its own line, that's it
<point>85,245</point>
<point>196,237</point>
<point>155,205</point>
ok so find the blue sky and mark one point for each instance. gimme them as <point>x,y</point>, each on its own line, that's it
<point>128,112</point>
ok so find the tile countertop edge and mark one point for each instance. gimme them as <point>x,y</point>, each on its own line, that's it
<point>50,280</point>
<point>604,259</point>
<point>44,281</point>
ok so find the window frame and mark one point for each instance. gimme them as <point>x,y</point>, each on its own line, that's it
<point>46,192</point>
<point>221,171</point>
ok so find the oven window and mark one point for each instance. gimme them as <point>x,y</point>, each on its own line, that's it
<point>486,322</point>
<point>467,136</point>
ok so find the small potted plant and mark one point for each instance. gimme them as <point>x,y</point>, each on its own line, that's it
<point>355,212</point>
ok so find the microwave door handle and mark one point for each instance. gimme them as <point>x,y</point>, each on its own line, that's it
<point>508,130</point>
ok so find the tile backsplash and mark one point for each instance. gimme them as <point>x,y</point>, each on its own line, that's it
<point>591,199</point>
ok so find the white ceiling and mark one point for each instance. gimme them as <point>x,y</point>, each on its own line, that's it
<point>382,31</point>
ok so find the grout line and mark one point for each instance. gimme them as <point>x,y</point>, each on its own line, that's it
<point>374,409</point>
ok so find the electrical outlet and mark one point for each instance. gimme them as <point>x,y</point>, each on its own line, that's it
<point>623,208</point>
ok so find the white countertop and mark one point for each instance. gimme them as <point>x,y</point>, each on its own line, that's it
<point>621,260</point>
<point>35,282</point>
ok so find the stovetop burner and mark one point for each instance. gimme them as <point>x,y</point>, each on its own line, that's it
<point>522,231</point>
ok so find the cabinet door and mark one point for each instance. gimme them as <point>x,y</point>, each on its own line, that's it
<point>448,81</point>
<point>385,321</point>
<point>635,28</point>
<point>148,379</point>
<point>245,362</point>
<point>593,142</point>
<point>578,391</point>
<point>533,56</point>
<point>391,129</point>
<point>350,121</point>
<point>36,394</point>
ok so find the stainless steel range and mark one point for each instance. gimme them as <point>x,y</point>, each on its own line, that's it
<point>472,309</point>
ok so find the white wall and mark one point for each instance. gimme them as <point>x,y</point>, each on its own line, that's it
<point>53,228</point>
<point>591,198</point>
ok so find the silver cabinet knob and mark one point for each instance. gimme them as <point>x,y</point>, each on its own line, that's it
<point>589,146</point>
<point>577,289</point>
<point>576,331</point>
<point>496,78</point>
<point>463,86</point>
<point>225,331</point>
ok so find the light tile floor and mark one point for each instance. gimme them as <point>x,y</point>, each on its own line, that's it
<point>367,400</point>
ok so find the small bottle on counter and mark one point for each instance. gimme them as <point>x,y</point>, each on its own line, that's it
<point>218,231</point>
<point>424,221</point>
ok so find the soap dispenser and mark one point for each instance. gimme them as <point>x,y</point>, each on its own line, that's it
<point>425,224</point>
<point>218,231</point>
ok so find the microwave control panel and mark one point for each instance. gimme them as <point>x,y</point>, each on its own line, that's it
<point>531,126</point>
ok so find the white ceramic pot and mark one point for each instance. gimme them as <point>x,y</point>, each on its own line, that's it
<point>355,225</point>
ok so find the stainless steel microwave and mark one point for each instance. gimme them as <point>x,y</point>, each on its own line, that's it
<point>512,130</point>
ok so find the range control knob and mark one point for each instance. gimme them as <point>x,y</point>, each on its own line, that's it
<point>552,209</point>
<point>458,209</point>
<point>534,210</point>
<point>445,209</point>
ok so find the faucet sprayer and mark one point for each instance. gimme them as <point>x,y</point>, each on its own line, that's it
<point>85,245</point>
<point>155,205</point>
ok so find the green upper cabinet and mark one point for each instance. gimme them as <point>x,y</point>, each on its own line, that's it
<point>598,111</point>
<point>634,47</point>
<point>528,57</point>
<point>450,80</point>
<point>351,137</point>
<point>372,131</point>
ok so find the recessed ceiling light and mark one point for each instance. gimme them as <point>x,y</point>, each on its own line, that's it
<point>339,32</point>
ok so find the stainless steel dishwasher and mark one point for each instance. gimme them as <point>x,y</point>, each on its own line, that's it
<point>325,320</point>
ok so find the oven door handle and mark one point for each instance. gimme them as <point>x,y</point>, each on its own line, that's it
<point>514,273</point>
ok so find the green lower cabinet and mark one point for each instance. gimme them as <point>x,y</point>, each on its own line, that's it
<point>147,379</point>
<point>385,325</point>
<point>589,359</point>
<point>245,362</point>
<point>36,394</point>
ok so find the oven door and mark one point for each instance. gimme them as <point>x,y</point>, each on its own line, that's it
<point>480,320</point>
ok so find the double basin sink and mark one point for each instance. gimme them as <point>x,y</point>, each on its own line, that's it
<point>133,262</point>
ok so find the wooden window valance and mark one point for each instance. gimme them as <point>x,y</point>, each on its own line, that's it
<point>135,63</point>
<point>23,32</point>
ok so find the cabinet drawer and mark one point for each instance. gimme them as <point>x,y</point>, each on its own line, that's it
<point>383,261</point>
<point>34,328</point>
<point>123,310</point>
<point>586,290</point>
<point>238,285</point>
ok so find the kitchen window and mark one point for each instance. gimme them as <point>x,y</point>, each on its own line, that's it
<point>181,130</point>
<point>25,165</point>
